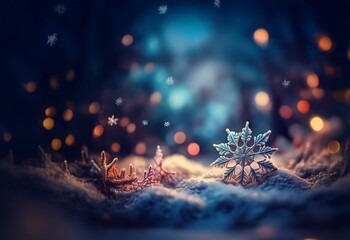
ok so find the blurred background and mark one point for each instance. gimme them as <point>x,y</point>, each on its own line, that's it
<point>201,66</point>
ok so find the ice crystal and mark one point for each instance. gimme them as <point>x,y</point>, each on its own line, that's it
<point>217,3</point>
<point>119,101</point>
<point>166,124</point>
<point>246,163</point>
<point>144,122</point>
<point>163,9</point>
<point>112,120</point>
<point>286,83</point>
<point>162,175</point>
<point>60,9</point>
<point>170,81</point>
<point>52,39</point>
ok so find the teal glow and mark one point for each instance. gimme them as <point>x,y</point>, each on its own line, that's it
<point>179,98</point>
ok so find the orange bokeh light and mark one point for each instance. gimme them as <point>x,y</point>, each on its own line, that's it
<point>124,122</point>
<point>286,112</point>
<point>56,144</point>
<point>131,128</point>
<point>140,148</point>
<point>115,147</point>
<point>312,80</point>
<point>155,98</point>
<point>262,99</point>
<point>48,123</point>
<point>50,111</point>
<point>31,86</point>
<point>54,83</point>
<point>261,37</point>
<point>68,115</point>
<point>98,131</point>
<point>179,137</point>
<point>7,136</point>
<point>94,107</point>
<point>325,43</point>
<point>127,40</point>
<point>70,75</point>
<point>193,149</point>
<point>303,106</point>
<point>69,140</point>
<point>316,123</point>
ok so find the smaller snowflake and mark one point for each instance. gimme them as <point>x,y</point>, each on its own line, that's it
<point>217,3</point>
<point>52,39</point>
<point>163,9</point>
<point>166,124</point>
<point>286,83</point>
<point>144,122</point>
<point>119,101</point>
<point>60,9</point>
<point>170,81</point>
<point>112,120</point>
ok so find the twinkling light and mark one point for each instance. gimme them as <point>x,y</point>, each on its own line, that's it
<point>31,86</point>
<point>261,37</point>
<point>115,147</point>
<point>70,75</point>
<point>124,122</point>
<point>127,40</point>
<point>98,131</point>
<point>94,107</point>
<point>140,148</point>
<point>333,147</point>
<point>193,149</point>
<point>325,43</point>
<point>48,123</point>
<point>262,99</point>
<point>131,128</point>
<point>69,140</point>
<point>312,80</point>
<point>179,137</point>
<point>286,112</point>
<point>7,136</point>
<point>303,106</point>
<point>155,98</point>
<point>68,115</point>
<point>316,123</point>
<point>50,111</point>
<point>56,144</point>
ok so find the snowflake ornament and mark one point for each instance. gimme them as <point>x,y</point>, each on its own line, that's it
<point>286,83</point>
<point>119,101</point>
<point>163,9</point>
<point>246,163</point>
<point>52,39</point>
<point>166,124</point>
<point>217,3</point>
<point>112,120</point>
<point>144,122</point>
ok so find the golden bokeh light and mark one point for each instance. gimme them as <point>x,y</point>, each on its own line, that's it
<point>303,106</point>
<point>179,137</point>
<point>70,75</point>
<point>94,107</point>
<point>7,136</point>
<point>48,123</point>
<point>124,122</point>
<point>312,80</point>
<point>262,99</point>
<point>193,149</point>
<point>69,140</point>
<point>131,128</point>
<point>155,98</point>
<point>115,147</point>
<point>333,147</point>
<point>317,93</point>
<point>140,148</point>
<point>68,115</point>
<point>127,40</point>
<point>261,37</point>
<point>30,86</point>
<point>56,144</point>
<point>286,112</point>
<point>50,111</point>
<point>316,123</point>
<point>98,131</point>
<point>325,43</point>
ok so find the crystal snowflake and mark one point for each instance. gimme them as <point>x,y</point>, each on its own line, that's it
<point>112,120</point>
<point>217,3</point>
<point>170,81</point>
<point>119,101</point>
<point>163,9</point>
<point>52,39</point>
<point>286,83</point>
<point>60,9</point>
<point>166,124</point>
<point>246,163</point>
<point>144,122</point>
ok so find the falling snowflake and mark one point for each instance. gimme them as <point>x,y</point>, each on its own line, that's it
<point>112,120</point>
<point>286,83</point>
<point>144,122</point>
<point>163,9</point>
<point>166,124</point>
<point>119,101</point>
<point>60,9</point>
<point>52,39</point>
<point>217,3</point>
<point>246,164</point>
<point>170,81</point>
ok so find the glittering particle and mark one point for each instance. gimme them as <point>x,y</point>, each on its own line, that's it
<point>166,124</point>
<point>119,101</point>
<point>286,83</point>
<point>112,120</point>
<point>162,9</point>
<point>52,39</point>
<point>144,122</point>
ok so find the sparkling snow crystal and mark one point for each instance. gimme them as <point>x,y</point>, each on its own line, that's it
<point>112,120</point>
<point>166,124</point>
<point>119,101</point>
<point>286,83</point>
<point>163,9</point>
<point>217,3</point>
<point>52,39</point>
<point>60,9</point>
<point>246,163</point>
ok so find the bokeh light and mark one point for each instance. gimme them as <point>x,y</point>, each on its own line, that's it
<point>262,99</point>
<point>312,80</point>
<point>98,131</point>
<point>70,75</point>
<point>50,111</point>
<point>94,107</point>
<point>325,43</point>
<point>261,37</point>
<point>179,137</point>
<point>316,123</point>
<point>115,147</point>
<point>31,86</point>
<point>127,40</point>
<point>193,149</point>
<point>303,106</point>
<point>317,93</point>
<point>48,123</point>
<point>68,115</point>
<point>7,136</point>
<point>69,141</point>
<point>56,144</point>
<point>140,148</point>
<point>155,98</point>
<point>54,83</point>
<point>286,112</point>
<point>131,128</point>
<point>333,147</point>
<point>124,121</point>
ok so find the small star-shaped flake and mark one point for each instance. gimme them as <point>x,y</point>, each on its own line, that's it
<point>112,120</point>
